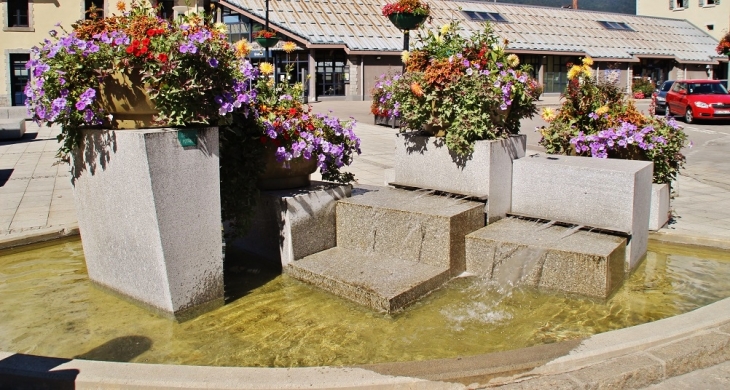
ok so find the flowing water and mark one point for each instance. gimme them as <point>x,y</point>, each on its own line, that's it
<point>49,307</point>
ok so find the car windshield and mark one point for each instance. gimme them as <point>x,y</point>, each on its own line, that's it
<point>707,89</point>
<point>667,86</point>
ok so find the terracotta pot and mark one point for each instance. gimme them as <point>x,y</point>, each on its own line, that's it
<point>278,177</point>
<point>124,97</point>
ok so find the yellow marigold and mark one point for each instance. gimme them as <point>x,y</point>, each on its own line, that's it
<point>445,28</point>
<point>602,110</point>
<point>242,48</point>
<point>513,60</point>
<point>266,68</point>
<point>405,56</point>
<point>121,6</point>
<point>220,27</point>
<point>548,114</point>
<point>289,46</point>
<point>416,89</point>
<point>574,72</point>
<point>587,61</point>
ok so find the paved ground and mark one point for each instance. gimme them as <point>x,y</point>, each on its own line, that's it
<point>36,198</point>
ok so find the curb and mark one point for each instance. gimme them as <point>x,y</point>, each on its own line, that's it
<point>671,237</point>
<point>35,236</point>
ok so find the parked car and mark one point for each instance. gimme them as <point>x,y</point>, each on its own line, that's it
<point>699,99</point>
<point>660,97</point>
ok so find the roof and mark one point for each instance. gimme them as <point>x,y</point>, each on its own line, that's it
<point>358,27</point>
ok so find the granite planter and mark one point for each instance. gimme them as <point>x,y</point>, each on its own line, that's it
<point>384,120</point>
<point>149,214</point>
<point>659,211</point>
<point>278,177</point>
<point>425,162</point>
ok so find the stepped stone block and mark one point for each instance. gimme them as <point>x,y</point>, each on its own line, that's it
<point>610,194</point>
<point>426,162</point>
<point>409,225</point>
<point>382,283</point>
<point>659,213</point>
<point>547,256</point>
<point>294,223</point>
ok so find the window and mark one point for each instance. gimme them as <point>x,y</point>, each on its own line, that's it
<point>709,3</point>
<point>18,13</point>
<point>678,4</point>
<point>480,16</point>
<point>164,9</point>
<point>19,77</point>
<point>237,25</point>
<point>615,26</point>
<point>331,73</point>
<point>98,6</point>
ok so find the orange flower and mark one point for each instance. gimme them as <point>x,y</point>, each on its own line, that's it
<point>121,7</point>
<point>416,89</point>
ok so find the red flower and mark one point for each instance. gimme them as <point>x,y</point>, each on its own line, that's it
<point>162,57</point>
<point>292,111</point>
<point>146,41</point>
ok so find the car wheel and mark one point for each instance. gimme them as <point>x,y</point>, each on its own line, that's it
<point>688,118</point>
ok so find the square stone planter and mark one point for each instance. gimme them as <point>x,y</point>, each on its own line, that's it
<point>150,217</point>
<point>426,162</point>
<point>659,211</point>
<point>384,120</point>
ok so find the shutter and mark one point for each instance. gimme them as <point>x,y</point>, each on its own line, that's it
<point>671,4</point>
<point>702,3</point>
<point>686,4</point>
<point>717,2</point>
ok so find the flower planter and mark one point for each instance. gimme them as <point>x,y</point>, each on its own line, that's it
<point>278,177</point>
<point>407,21</point>
<point>125,97</point>
<point>384,120</point>
<point>426,162</point>
<point>659,210</point>
<point>267,42</point>
<point>150,217</point>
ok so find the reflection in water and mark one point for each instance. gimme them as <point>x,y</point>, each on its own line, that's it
<point>50,308</point>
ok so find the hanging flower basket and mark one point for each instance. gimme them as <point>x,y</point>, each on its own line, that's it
<point>407,20</point>
<point>267,42</point>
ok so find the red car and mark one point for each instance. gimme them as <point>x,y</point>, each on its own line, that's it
<point>699,99</point>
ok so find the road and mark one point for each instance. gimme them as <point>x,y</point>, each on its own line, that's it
<point>708,155</point>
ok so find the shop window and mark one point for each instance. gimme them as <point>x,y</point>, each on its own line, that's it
<point>98,7</point>
<point>18,13</point>
<point>237,25</point>
<point>331,73</point>
<point>19,77</point>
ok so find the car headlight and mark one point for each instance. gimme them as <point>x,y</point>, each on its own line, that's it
<point>701,105</point>
<point>660,99</point>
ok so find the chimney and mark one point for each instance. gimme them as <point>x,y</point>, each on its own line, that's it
<point>575,4</point>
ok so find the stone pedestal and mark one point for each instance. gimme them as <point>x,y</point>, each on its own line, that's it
<point>291,224</point>
<point>149,216</point>
<point>609,194</point>
<point>426,162</point>
<point>659,212</point>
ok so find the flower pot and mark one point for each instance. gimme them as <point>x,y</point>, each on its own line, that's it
<point>407,20</point>
<point>278,177</point>
<point>267,42</point>
<point>125,98</point>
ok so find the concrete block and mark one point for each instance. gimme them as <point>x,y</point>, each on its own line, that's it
<point>12,128</point>
<point>610,194</point>
<point>547,257</point>
<point>659,211</point>
<point>292,224</point>
<point>382,283</point>
<point>149,216</point>
<point>693,353</point>
<point>631,372</point>
<point>17,112</point>
<point>425,162</point>
<point>409,225</point>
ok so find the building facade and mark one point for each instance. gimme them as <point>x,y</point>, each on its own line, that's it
<point>344,46</point>
<point>710,16</point>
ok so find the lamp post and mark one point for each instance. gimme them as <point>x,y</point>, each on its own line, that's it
<point>266,28</point>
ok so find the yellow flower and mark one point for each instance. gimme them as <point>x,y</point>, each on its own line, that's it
<point>289,46</point>
<point>242,48</point>
<point>602,110</point>
<point>220,27</point>
<point>121,7</point>
<point>266,68</point>
<point>574,72</point>
<point>445,28</point>
<point>587,71</point>
<point>404,56</point>
<point>548,114</point>
<point>513,60</point>
<point>587,61</point>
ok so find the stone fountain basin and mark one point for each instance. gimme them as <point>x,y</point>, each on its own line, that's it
<point>631,357</point>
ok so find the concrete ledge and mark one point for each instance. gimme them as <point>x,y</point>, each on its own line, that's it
<point>38,235</point>
<point>11,129</point>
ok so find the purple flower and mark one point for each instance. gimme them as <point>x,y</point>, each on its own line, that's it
<point>213,63</point>
<point>85,99</point>
<point>188,47</point>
